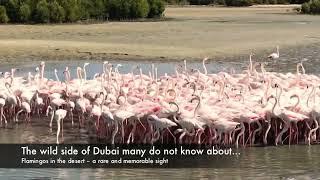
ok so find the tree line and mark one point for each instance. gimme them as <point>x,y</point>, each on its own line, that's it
<point>65,11</point>
<point>234,2</point>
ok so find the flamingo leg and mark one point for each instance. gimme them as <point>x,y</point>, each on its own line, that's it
<point>255,132</point>
<point>114,133</point>
<point>58,129</point>
<point>174,137</point>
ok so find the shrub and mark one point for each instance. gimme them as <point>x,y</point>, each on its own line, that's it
<point>257,1</point>
<point>139,9</point>
<point>114,9</point>
<point>96,8</point>
<point>220,2</point>
<point>125,8</point>
<point>72,10</point>
<point>57,14</point>
<point>311,7</point>
<point>201,2</point>
<point>238,2</point>
<point>315,6</point>
<point>42,12</point>
<point>282,2</point>
<point>3,15</point>
<point>181,2</point>
<point>12,9</point>
<point>156,8</point>
<point>24,13</point>
<point>305,8</point>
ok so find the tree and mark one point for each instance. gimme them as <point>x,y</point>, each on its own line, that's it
<point>238,2</point>
<point>56,11</point>
<point>42,12</point>
<point>305,8</point>
<point>201,2</point>
<point>12,10</point>
<point>72,10</point>
<point>3,15</point>
<point>98,9</point>
<point>272,1</point>
<point>139,9</point>
<point>125,8</point>
<point>57,14</point>
<point>156,7</point>
<point>114,9</point>
<point>24,13</point>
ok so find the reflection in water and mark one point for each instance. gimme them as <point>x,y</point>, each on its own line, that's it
<point>283,161</point>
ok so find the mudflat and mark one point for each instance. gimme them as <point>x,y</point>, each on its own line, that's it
<point>186,33</point>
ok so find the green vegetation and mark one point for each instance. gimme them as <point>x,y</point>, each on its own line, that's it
<point>201,2</point>
<point>234,2</point>
<point>311,7</point>
<point>42,12</point>
<point>3,15</point>
<point>61,11</point>
<point>180,2</point>
<point>156,7</point>
<point>57,13</point>
<point>24,13</point>
<point>238,2</point>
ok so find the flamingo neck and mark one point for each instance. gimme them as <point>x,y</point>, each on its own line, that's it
<point>204,67</point>
<point>250,65</point>
<point>156,74</point>
<point>57,78</point>
<point>29,78</point>
<point>42,71</point>
<point>85,73</point>
<point>152,71</point>
<point>279,95</point>
<point>274,105</point>
<point>79,70</point>
<point>263,70</point>
<point>140,74</point>
<point>298,100</point>
<point>12,73</point>
<point>310,95</point>
<point>197,107</point>
<point>266,93</point>
<point>9,89</point>
<point>221,91</point>
<point>176,70</point>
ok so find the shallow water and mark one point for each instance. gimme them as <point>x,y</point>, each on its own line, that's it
<point>299,161</point>
<point>283,162</point>
<point>289,57</point>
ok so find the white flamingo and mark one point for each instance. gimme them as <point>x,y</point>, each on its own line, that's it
<point>275,55</point>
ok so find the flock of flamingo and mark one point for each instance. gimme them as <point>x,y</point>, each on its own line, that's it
<point>251,108</point>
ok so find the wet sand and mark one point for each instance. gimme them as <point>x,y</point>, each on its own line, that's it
<point>189,33</point>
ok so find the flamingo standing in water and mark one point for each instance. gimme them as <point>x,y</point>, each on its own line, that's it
<point>275,55</point>
<point>25,107</point>
<point>59,115</point>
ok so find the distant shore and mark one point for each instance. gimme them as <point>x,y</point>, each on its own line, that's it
<point>191,33</point>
